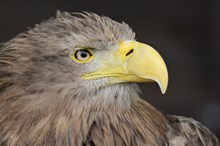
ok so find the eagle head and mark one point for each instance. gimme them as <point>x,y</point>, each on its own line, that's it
<point>67,65</point>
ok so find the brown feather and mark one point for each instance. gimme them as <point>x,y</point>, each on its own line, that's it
<point>188,132</point>
<point>140,125</point>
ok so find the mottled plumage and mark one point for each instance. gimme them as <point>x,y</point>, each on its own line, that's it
<point>45,102</point>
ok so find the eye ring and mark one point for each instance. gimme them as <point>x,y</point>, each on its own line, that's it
<point>82,56</point>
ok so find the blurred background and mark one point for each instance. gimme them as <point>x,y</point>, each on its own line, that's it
<point>186,33</point>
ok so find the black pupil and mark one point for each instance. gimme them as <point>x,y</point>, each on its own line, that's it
<point>83,54</point>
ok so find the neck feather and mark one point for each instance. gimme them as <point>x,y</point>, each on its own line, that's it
<point>66,115</point>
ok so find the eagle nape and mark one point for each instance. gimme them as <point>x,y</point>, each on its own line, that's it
<point>71,80</point>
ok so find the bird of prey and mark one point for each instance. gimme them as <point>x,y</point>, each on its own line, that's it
<point>71,81</point>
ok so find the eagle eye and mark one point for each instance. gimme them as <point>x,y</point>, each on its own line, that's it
<point>82,56</point>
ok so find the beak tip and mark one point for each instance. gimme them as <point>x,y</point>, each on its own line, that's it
<point>163,87</point>
<point>163,91</point>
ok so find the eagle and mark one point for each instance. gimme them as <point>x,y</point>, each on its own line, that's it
<point>72,81</point>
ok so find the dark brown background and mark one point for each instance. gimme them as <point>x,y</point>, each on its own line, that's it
<point>186,33</point>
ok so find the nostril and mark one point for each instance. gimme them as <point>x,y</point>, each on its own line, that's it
<point>131,51</point>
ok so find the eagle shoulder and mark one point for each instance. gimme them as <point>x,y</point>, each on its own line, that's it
<point>188,132</point>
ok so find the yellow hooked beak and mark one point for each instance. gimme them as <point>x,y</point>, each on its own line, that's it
<point>133,62</point>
